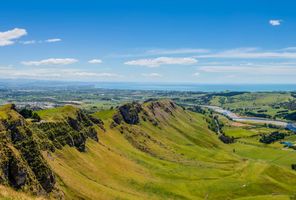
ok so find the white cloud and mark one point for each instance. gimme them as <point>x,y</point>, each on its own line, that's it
<point>253,70</point>
<point>95,61</point>
<point>156,62</point>
<point>152,75</point>
<point>40,41</point>
<point>8,37</point>
<point>288,49</point>
<point>175,51</point>
<point>94,74</point>
<point>8,67</point>
<point>51,61</point>
<point>196,74</point>
<point>29,42</point>
<point>54,74</point>
<point>161,52</point>
<point>275,22</point>
<point>250,53</point>
<point>51,40</point>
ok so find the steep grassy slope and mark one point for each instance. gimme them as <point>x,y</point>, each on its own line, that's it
<point>22,142</point>
<point>154,150</point>
<point>22,165</point>
<point>7,193</point>
<point>165,153</point>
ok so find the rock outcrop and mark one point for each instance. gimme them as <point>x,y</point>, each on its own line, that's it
<point>130,112</point>
<point>21,162</point>
<point>155,112</point>
<point>152,110</point>
<point>71,130</point>
<point>22,165</point>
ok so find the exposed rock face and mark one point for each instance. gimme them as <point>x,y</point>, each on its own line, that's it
<point>18,162</point>
<point>154,112</point>
<point>151,111</point>
<point>97,121</point>
<point>30,151</point>
<point>13,170</point>
<point>160,106</point>
<point>22,165</point>
<point>130,112</point>
<point>72,131</point>
<point>117,118</point>
<point>17,159</point>
<point>92,133</point>
<point>17,174</point>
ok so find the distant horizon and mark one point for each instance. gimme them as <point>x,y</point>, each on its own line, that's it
<point>139,82</point>
<point>161,86</point>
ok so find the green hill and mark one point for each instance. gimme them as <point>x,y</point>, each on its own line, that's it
<point>154,150</point>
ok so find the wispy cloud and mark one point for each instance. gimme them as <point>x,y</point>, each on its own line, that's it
<point>95,61</point>
<point>251,70</point>
<point>51,61</point>
<point>95,74</point>
<point>28,42</point>
<point>236,53</point>
<point>156,62</point>
<point>275,22</point>
<point>152,75</point>
<point>6,67</point>
<point>51,40</point>
<point>250,53</point>
<point>54,74</point>
<point>288,49</point>
<point>196,74</point>
<point>161,52</point>
<point>9,37</point>
<point>175,51</point>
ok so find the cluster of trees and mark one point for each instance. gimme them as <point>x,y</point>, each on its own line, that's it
<point>28,113</point>
<point>272,137</point>
<point>214,124</point>
<point>291,116</point>
<point>197,109</point>
<point>261,110</point>
<point>272,126</point>
<point>228,94</point>
<point>262,115</point>
<point>226,139</point>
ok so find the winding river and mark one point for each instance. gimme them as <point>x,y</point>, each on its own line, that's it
<point>235,117</point>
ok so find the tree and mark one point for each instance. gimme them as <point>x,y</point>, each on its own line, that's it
<point>26,113</point>
<point>36,117</point>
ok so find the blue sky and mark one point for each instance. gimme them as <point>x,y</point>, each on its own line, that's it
<point>197,41</point>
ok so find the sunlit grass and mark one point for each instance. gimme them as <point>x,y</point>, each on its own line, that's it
<point>188,161</point>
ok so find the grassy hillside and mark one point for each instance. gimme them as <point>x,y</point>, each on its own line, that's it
<point>7,193</point>
<point>248,146</point>
<point>179,158</point>
<point>261,104</point>
<point>155,150</point>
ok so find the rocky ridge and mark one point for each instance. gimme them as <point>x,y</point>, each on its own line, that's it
<point>22,165</point>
